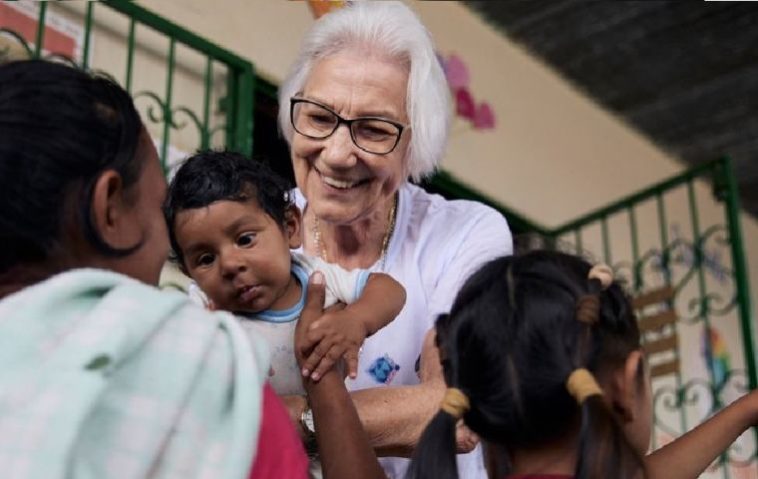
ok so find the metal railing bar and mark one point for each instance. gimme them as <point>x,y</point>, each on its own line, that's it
<point>87,34</point>
<point>150,19</point>
<point>606,240</point>
<point>167,121</point>
<point>635,247</point>
<point>208,81</point>
<point>739,263</point>
<point>130,54</point>
<point>40,37</point>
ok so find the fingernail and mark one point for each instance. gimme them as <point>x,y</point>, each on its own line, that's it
<point>315,376</point>
<point>318,277</point>
<point>306,373</point>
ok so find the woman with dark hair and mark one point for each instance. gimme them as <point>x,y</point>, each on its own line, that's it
<point>101,373</point>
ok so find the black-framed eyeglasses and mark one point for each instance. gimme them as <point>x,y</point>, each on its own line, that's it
<point>371,134</point>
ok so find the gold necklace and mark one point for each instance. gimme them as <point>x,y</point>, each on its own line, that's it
<point>321,248</point>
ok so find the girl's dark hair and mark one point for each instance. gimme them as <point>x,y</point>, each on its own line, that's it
<point>510,342</point>
<point>211,176</point>
<point>60,128</point>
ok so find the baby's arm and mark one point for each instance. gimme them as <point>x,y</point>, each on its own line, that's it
<point>380,303</point>
<point>688,456</point>
<point>340,334</point>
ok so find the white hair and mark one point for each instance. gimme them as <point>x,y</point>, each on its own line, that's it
<point>392,29</point>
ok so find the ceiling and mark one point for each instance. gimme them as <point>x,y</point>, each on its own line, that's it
<point>683,73</point>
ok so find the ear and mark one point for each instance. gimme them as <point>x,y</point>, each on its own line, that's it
<point>625,387</point>
<point>113,214</point>
<point>293,221</point>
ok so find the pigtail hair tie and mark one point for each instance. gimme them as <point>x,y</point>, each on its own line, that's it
<point>588,305</point>
<point>455,403</point>
<point>581,384</point>
<point>603,274</point>
<point>588,309</point>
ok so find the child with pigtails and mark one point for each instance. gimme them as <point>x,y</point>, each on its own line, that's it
<point>542,357</point>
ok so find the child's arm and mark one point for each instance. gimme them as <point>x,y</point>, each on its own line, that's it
<point>343,444</point>
<point>380,303</point>
<point>340,334</point>
<point>688,456</point>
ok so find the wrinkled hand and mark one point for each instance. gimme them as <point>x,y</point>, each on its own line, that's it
<point>335,335</point>
<point>313,350</point>
<point>465,439</point>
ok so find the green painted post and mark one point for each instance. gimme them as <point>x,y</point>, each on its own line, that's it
<point>739,264</point>
<point>248,115</point>
<point>205,140</point>
<point>40,29</point>
<point>243,112</point>
<point>606,241</point>
<point>635,248</point>
<point>130,55</point>
<point>87,34</point>
<point>663,228</point>
<point>167,120</point>
<point>231,105</point>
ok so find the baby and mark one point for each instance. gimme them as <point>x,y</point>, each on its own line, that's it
<point>232,225</point>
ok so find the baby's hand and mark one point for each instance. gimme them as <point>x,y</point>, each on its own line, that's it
<point>336,334</point>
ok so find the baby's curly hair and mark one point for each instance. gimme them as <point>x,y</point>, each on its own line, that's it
<point>211,176</point>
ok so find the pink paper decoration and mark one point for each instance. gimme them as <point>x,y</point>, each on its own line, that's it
<point>464,104</point>
<point>484,119</point>
<point>456,72</point>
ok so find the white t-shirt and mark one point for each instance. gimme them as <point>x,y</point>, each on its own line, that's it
<point>277,328</point>
<point>437,244</point>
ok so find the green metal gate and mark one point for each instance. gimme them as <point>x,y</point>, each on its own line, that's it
<point>684,233</point>
<point>186,88</point>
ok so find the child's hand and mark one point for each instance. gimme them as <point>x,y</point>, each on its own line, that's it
<point>465,439</point>
<point>334,335</point>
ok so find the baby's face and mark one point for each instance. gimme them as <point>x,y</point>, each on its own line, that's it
<point>238,254</point>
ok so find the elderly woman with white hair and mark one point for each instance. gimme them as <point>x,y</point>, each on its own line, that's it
<point>365,109</point>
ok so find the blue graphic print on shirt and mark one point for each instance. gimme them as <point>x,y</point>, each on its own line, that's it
<point>383,369</point>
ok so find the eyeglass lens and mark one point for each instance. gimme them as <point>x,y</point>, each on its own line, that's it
<point>373,135</point>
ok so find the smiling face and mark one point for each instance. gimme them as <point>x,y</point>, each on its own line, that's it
<point>240,256</point>
<point>343,183</point>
